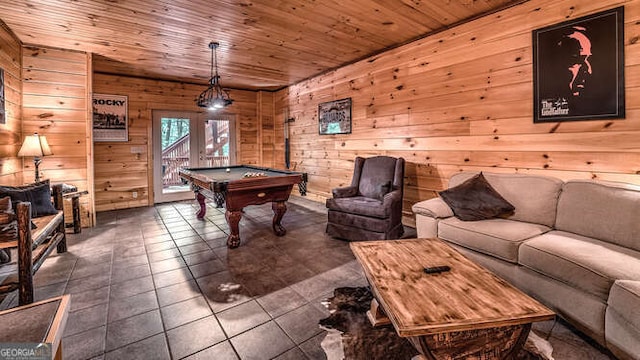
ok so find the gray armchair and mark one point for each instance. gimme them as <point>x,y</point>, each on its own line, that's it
<point>371,208</point>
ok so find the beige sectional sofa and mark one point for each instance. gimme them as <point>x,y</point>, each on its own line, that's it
<point>573,245</point>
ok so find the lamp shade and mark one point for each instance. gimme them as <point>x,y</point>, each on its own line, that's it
<point>35,145</point>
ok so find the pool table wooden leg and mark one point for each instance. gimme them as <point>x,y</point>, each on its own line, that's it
<point>233,218</point>
<point>279,208</point>
<point>203,207</point>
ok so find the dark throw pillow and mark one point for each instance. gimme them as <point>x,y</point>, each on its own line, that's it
<point>475,199</point>
<point>381,190</point>
<point>38,194</point>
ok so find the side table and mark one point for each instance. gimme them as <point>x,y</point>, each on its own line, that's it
<point>71,192</point>
<point>40,322</point>
<point>75,207</point>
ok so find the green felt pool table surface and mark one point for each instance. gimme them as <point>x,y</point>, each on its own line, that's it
<point>234,172</point>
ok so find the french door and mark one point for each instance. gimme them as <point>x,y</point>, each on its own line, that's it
<point>188,139</point>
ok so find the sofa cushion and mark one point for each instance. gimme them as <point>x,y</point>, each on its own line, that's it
<point>582,262</point>
<point>359,205</point>
<point>475,199</point>
<point>534,197</point>
<point>603,210</point>
<point>497,237</point>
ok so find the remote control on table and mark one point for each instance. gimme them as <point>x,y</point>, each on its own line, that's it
<point>436,269</point>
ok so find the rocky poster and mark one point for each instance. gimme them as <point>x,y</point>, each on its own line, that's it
<point>110,118</point>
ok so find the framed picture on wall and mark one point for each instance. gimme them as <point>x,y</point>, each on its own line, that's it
<point>334,117</point>
<point>110,117</point>
<point>578,69</point>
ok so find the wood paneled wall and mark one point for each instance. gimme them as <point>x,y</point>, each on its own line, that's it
<point>11,129</point>
<point>462,100</point>
<point>56,93</point>
<point>119,171</point>
<point>267,128</point>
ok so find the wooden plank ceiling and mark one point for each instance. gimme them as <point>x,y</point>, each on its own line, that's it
<point>265,44</point>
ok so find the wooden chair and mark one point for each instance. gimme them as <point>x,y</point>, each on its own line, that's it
<point>34,245</point>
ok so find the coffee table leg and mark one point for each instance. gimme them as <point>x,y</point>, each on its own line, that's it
<point>376,315</point>
<point>484,344</point>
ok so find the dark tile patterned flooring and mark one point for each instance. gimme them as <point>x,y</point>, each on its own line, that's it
<point>156,283</point>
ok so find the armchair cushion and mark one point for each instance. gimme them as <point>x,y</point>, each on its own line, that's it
<point>377,177</point>
<point>360,205</point>
<point>344,192</point>
<point>475,199</point>
<point>375,190</point>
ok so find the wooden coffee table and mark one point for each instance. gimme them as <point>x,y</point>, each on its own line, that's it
<point>464,313</point>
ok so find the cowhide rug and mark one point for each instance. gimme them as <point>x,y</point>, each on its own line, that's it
<point>350,334</point>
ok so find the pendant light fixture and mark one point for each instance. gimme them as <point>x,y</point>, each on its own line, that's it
<point>214,97</point>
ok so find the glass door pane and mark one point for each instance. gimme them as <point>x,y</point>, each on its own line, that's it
<point>176,152</point>
<point>217,143</point>
<point>175,146</point>
<point>184,139</point>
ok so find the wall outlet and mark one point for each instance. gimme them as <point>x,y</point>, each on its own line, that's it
<point>134,194</point>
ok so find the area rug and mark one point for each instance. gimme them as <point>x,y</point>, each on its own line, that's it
<point>350,335</point>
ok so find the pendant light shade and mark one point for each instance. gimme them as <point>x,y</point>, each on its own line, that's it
<point>214,97</point>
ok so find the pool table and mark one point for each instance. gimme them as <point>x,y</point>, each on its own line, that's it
<point>242,185</point>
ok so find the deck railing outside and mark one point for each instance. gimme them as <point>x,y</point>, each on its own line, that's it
<point>176,155</point>
<point>171,165</point>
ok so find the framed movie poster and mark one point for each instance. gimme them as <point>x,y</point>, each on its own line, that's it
<point>334,117</point>
<point>578,69</point>
<point>110,118</point>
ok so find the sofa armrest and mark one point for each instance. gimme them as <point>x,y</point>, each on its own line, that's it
<point>435,208</point>
<point>348,191</point>
<point>428,214</point>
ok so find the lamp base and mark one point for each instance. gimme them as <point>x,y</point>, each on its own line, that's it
<point>36,161</point>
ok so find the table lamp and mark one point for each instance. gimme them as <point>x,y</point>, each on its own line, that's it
<point>36,146</point>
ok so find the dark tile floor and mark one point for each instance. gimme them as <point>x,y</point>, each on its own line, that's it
<point>156,283</point>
